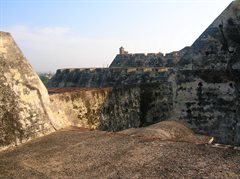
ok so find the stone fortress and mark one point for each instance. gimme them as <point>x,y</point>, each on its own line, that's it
<point>124,59</point>
<point>198,85</point>
<point>125,69</point>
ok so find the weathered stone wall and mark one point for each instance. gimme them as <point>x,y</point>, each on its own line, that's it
<point>138,60</point>
<point>121,109</point>
<point>24,104</point>
<point>209,102</point>
<point>117,108</point>
<point>148,60</point>
<point>207,99</point>
<point>82,107</point>
<point>107,77</point>
<point>137,106</point>
<point>218,47</point>
<point>207,87</point>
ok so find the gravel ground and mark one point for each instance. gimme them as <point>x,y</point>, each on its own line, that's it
<point>96,154</point>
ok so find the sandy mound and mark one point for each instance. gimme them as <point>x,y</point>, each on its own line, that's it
<point>168,130</point>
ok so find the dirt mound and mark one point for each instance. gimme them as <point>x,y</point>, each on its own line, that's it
<point>169,130</point>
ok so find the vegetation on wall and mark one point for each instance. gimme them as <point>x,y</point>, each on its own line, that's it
<point>45,77</point>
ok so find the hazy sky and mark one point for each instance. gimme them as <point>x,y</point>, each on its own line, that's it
<point>88,33</point>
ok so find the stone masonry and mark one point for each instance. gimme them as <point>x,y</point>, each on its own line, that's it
<point>203,82</point>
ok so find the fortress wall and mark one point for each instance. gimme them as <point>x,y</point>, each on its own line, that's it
<point>204,84</point>
<point>107,77</point>
<point>117,108</point>
<point>115,69</point>
<point>209,101</point>
<point>207,94</point>
<point>148,60</point>
<point>137,106</point>
<point>83,107</point>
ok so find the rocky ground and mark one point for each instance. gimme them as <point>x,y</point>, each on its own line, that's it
<point>75,153</point>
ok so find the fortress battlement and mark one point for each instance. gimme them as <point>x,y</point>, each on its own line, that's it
<point>125,59</point>
<point>115,69</point>
<point>105,77</point>
<point>143,54</point>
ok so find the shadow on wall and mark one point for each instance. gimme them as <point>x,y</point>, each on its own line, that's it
<point>11,128</point>
<point>136,106</point>
<point>208,100</point>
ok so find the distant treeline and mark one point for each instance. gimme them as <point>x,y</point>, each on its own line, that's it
<point>45,77</point>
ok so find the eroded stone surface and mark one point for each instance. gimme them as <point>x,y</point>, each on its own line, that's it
<point>114,109</point>
<point>148,60</point>
<point>207,85</point>
<point>209,105</point>
<point>24,103</point>
<point>108,77</point>
<point>82,107</point>
<point>218,46</point>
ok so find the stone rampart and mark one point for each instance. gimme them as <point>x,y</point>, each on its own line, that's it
<point>148,60</point>
<point>108,77</point>
<point>116,108</point>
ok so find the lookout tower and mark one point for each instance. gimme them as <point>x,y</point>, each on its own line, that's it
<point>122,51</point>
